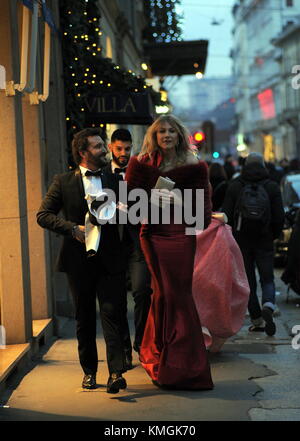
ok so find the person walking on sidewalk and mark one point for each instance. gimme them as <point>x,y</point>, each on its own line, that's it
<point>253,205</point>
<point>98,274</point>
<point>120,147</point>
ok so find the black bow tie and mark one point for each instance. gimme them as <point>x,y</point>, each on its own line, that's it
<point>120,170</point>
<point>93,173</point>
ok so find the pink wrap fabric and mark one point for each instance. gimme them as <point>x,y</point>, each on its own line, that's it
<point>220,285</point>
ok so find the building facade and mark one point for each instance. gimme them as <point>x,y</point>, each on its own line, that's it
<point>122,24</point>
<point>256,67</point>
<point>207,93</point>
<point>289,117</point>
<point>32,139</point>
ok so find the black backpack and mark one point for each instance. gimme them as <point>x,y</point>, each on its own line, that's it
<point>253,209</point>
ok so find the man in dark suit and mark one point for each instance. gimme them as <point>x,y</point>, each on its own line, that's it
<point>120,147</point>
<point>104,274</point>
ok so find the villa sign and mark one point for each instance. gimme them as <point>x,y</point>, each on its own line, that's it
<point>119,108</point>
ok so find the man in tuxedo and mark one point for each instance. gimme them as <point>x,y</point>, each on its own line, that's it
<point>102,275</point>
<point>120,147</point>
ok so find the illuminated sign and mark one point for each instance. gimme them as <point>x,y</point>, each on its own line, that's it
<point>267,104</point>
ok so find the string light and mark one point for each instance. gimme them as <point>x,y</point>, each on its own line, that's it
<point>82,42</point>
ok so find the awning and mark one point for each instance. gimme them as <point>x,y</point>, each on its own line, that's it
<point>179,58</point>
<point>119,108</point>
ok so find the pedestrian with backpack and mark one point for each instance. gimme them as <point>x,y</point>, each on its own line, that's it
<point>253,205</point>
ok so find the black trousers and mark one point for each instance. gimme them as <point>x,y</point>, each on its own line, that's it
<point>262,259</point>
<point>88,284</point>
<point>141,289</point>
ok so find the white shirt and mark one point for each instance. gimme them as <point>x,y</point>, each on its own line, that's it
<point>93,190</point>
<point>91,184</point>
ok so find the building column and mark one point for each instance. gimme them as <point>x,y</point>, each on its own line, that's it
<point>14,248</point>
<point>41,307</point>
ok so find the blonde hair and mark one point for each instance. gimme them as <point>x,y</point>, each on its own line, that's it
<point>150,144</point>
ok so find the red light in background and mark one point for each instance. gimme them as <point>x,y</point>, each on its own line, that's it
<point>199,136</point>
<point>267,104</point>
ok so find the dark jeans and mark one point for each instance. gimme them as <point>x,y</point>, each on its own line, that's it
<point>141,291</point>
<point>263,260</point>
<point>86,285</point>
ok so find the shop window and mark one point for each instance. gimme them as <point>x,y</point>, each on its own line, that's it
<point>109,50</point>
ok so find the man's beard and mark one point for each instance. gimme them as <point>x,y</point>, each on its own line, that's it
<point>99,160</point>
<point>119,162</point>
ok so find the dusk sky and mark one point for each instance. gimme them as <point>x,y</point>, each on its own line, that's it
<point>198,18</point>
<point>197,25</point>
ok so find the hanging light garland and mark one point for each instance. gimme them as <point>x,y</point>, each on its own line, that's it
<point>164,22</point>
<point>86,71</point>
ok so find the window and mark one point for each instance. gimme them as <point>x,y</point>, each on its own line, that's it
<point>289,3</point>
<point>109,50</point>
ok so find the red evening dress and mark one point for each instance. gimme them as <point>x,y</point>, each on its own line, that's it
<point>173,351</point>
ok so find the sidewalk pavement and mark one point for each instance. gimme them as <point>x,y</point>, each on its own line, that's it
<point>256,378</point>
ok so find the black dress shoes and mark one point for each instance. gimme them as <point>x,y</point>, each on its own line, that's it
<point>115,383</point>
<point>89,382</point>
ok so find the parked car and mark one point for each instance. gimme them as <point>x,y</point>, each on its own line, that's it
<point>290,188</point>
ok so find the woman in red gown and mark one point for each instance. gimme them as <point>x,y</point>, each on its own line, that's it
<point>173,351</point>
